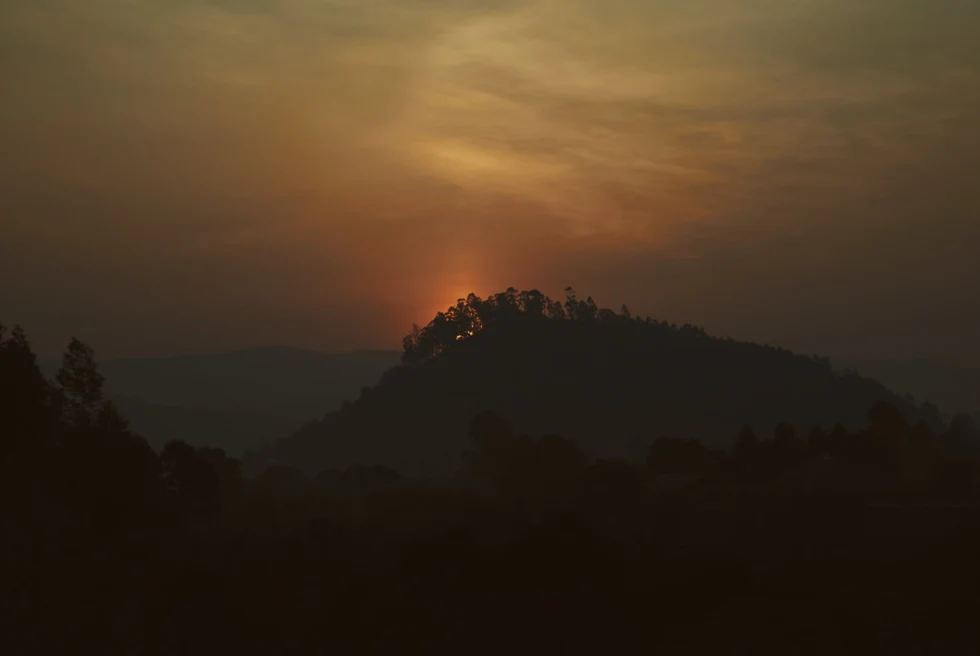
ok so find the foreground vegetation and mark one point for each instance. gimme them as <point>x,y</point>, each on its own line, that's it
<point>835,541</point>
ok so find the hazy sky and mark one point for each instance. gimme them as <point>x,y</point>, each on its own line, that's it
<point>194,175</point>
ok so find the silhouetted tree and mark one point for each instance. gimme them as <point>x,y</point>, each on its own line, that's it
<point>28,406</point>
<point>671,455</point>
<point>745,452</point>
<point>193,480</point>
<point>787,449</point>
<point>81,381</point>
<point>500,459</point>
<point>818,442</point>
<point>518,466</point>
<point>282,482</point>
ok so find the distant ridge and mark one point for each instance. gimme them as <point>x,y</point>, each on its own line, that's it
<point>236,399</point>
<point>953,388</point>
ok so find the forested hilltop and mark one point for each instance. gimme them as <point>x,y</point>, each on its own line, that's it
<point>609,380</point>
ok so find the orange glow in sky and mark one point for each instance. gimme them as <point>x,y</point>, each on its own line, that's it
<point>200,163</point>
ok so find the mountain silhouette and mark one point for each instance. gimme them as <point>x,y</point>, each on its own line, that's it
<point>610,381</point>
<point>231,430</point>
<point>235,400</point>
<point>953,388</point>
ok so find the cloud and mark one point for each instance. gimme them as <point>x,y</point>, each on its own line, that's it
<point>398,150</point>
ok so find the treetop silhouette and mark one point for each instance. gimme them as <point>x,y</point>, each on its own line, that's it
<point>472,314</point>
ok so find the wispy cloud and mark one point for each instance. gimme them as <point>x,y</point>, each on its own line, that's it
<point>414,145</point>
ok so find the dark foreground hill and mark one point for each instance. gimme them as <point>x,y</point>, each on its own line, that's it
<point>608,380</point>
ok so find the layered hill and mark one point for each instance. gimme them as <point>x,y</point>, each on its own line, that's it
<point>235,400</point>
<point>955,389</point>
<point>608,380</point>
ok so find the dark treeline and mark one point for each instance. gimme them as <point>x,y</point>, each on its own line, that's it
<point>824,541</point>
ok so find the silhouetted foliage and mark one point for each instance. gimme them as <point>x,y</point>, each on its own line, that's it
<point>473,314</point>
<point>857,540</point>
<point>80,380</point>
<point>677,456</point>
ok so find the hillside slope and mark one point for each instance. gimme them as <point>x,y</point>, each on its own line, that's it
<point>606,380</point>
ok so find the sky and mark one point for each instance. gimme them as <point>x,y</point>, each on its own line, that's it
<point>198,175</point>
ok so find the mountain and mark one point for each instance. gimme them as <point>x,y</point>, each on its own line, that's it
<point>283,381</point>
<point>607,380</point>
<point>231,430</point>
<point>235,400</point>
<point>954,389</point>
